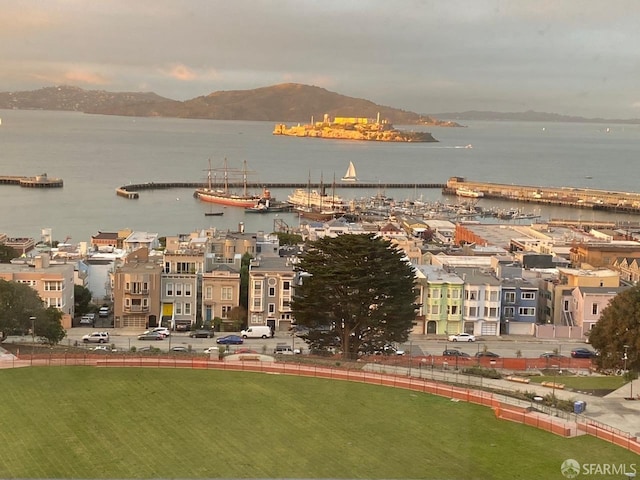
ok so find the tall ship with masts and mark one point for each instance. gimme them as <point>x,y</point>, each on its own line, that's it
<point>222,194</point>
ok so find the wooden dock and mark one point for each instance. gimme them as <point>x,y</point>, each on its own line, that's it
<point>588,198</point>
<point>39,181</point>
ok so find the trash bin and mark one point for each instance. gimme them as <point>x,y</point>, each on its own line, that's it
<point>578,406</point>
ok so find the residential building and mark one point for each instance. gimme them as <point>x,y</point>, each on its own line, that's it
<point>270,292</point>
<point>481,301</point>
<point>628,268</point>
<point>54,283</point>
<point>137,240</point>
<point>588,304</point>
<point>440,300</point>
<point>183,260</point>
<point>519,298</point>
<point>221,293</point>
<point>602,254</point>
<point>137,285</point>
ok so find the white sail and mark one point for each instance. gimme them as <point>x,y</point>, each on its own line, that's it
<point>350,176</point>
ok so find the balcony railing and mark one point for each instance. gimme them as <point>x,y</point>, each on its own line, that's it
<point>135,308</point>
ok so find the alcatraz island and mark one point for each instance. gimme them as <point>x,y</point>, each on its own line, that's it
<point>353,128</point>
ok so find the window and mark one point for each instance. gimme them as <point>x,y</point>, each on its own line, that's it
<point>208,292</point>
<point>178,307</point>
<point>452,310</point>
<point>473,312</point>
<point>272,291</point>
<point>169,289</point>
<point>52,286</point>
<point>272,308</point>
<point>187,308</point>
<point>565,306</point>
<point>491,295</point>
<point>471,294</point>
<point>509,312</point>
<point>286,285</point>
<point>528,295</point>
<point>510,297</point>
<point>145,302</point>
<point>594,308</point>
<point>127,302</point>
<point>435,309</point>
<point>226,293</point>
<point>187,289</point>
<point>526,311</point>
<point>226,310</point>
<point>178,289</point>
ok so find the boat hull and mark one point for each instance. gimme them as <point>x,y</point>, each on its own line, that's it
<point>226,199</point>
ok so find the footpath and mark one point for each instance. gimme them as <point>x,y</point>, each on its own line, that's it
<point>612,410</point>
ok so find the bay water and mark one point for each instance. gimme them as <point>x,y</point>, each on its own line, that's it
<point>96,154</point>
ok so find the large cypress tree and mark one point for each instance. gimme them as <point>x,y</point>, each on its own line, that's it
<point>619,325</point>
<point>356,292</point>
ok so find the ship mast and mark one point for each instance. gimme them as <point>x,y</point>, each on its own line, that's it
<point>226,176</point>
<point>244,178</point>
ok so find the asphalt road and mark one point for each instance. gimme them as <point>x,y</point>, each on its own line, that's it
<point>417,346</point>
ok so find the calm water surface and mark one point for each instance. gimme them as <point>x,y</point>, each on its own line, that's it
<point>96,154</point>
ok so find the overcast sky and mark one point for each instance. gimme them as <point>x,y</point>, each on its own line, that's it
<point>575,57</point>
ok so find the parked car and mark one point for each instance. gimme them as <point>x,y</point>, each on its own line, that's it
<point>104,349</point>
<point>462,337</point>
<point>487,354</point>
<point>149,335</point>
<point>455,353</point>
<point>179,349</point>
<point>96,337</point>
<point>389,350</point>
<point>104,311</point>
<point>201,334</point>
<point>230,340</point>
<point>583,353</point>
<point>551,355</point>
<point>210,350</point>
<point>162,330</point>
<point>87,319</point>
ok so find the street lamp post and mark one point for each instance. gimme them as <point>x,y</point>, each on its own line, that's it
<point>33,329</point>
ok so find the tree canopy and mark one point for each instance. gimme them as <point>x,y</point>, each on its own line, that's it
<point>82,297</point>
<point>22,312</point>
<point>619,325</point>
<point>356,292</point>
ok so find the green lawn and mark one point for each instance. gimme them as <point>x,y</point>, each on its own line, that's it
<point>86,422</point>
<point>584,382</point>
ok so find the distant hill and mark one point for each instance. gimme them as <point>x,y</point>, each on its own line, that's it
<point>289,102</point>
<point>528,116</point>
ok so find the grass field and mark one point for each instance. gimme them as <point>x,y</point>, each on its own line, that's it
<point>86,422</point>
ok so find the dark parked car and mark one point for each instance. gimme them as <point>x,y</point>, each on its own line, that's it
<point>180,349</point>
<point>583,353</point>
<point>455,353</point>
<point>551,355</point>
<point>487,354</point>
<point>201,334</point>
<point>230,340</point>
<point>151,336</point>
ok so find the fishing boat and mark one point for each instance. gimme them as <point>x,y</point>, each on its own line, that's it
<point>223,195</point>
<point>350,176</point>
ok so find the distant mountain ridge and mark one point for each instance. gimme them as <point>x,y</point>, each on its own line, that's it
<point>529,116</point>
<point>289,102</point>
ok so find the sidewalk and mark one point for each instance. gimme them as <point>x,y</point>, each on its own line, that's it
<point>612,410</point>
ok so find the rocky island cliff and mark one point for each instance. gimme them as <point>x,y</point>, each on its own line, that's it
<point>353,128</point>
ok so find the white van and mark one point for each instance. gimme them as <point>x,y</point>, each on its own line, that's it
<point>261,331</point>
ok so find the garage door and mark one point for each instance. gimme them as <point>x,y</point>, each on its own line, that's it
<point>489,328</point>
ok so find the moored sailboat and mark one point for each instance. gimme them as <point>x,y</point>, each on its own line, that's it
<point>350,176</point>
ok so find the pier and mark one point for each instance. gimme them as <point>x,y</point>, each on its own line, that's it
<point>588,198</point>
<point>131,191</point>
<point>39,181</point>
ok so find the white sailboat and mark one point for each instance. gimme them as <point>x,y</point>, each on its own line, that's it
<point>350,176</point>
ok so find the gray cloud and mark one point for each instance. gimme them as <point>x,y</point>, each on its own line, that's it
<point>427,56</point>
